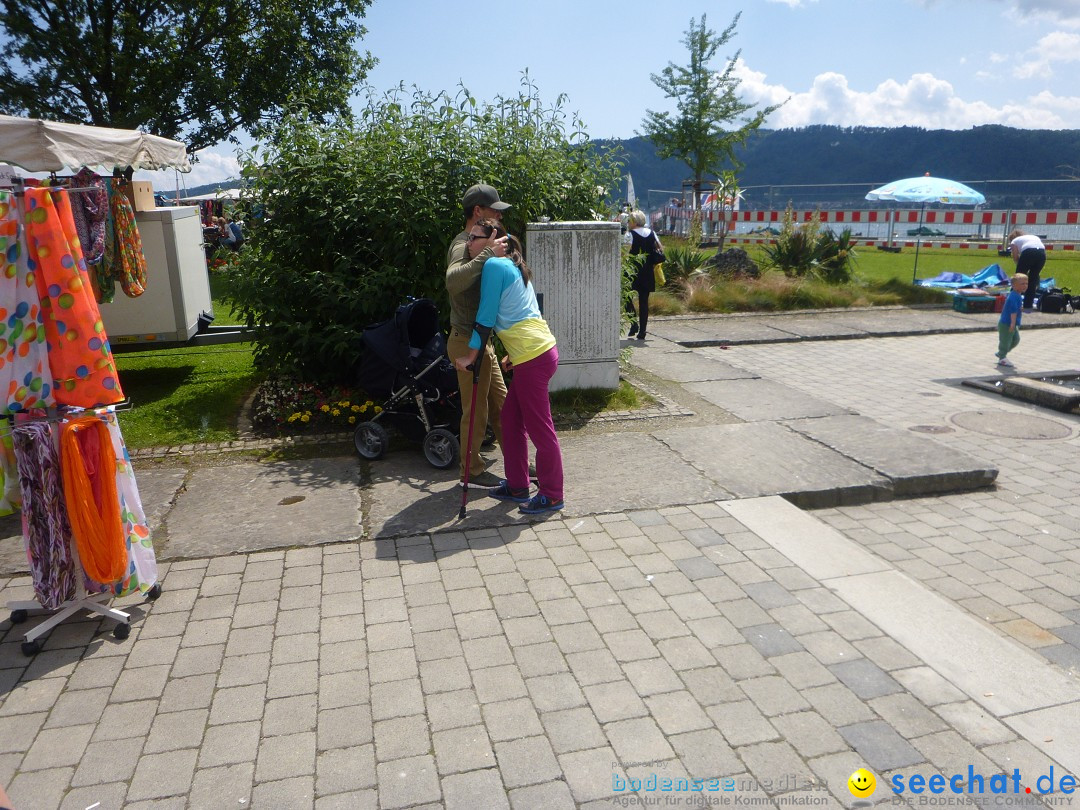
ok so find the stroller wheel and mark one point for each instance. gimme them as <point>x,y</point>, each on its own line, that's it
<point>441,448</point>
<point>371,440</point>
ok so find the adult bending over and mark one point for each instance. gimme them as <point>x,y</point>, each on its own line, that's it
<point>1029,253</point>
<point>508,305</point>
<point>643,241</point>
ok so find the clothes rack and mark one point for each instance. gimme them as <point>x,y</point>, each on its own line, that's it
<point>94,603</point>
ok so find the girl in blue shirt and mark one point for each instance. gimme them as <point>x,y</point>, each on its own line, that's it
<point>508,305</point>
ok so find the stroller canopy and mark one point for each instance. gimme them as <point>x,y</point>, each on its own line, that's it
<point>403,337</point>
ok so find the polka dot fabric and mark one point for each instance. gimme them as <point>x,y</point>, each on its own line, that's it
<point>25,379</point>
<point>83,369</point>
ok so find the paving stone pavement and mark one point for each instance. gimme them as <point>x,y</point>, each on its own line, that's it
<point>550,664</point>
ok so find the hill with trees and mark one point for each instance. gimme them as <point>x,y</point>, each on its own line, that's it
<point>869,156</point>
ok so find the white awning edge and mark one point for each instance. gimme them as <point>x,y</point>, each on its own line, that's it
<point>36,145</point>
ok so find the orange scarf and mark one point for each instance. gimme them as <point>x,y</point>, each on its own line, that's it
<point>95,521</point>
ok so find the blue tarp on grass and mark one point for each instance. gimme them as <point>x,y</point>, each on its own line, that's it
<point>990,276</point>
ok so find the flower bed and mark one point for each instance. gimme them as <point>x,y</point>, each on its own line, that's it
<point>283,406</point>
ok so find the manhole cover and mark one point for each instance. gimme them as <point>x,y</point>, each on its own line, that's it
<point>1010,425</point>
<point>931,429</point>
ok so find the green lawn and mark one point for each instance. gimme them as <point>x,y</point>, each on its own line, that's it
<point>223,313</point>
<point>185,395</point>
<point>877,265</point>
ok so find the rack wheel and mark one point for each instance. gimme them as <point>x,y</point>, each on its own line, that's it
<point>19,616</point>
<point>371,440</point>
<point>30,648</point>
<point>153,594</point>
<point>121,630</point>
<point>441,448</point>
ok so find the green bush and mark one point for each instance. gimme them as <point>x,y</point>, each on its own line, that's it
<point>346,220</point>
<point>681,262</point>
<point>802,250</point>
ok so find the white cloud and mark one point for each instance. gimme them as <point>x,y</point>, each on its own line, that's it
<point>214,165</point>
<point>794,3</point>
<point>1038,62</point>
<point>1063,11</point>
<point>922,100</point>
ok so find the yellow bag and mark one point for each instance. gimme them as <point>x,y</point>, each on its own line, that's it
<point>658,275</point>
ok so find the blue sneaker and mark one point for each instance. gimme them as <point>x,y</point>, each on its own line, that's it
<point>540,504</point>
<point>504,492</point>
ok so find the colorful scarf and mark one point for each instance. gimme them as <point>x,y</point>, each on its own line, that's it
<point>89,478</point>
<point>90,209</point>
<point>25,379</point>
<point>129,264</point>
<point>79,354</point>
<point>45,524</point>
<point>142,565</point>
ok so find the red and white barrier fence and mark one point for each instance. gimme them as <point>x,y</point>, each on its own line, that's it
<point>995,224</point>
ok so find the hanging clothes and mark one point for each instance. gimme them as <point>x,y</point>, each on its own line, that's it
<point>101,275</point>
<point>129,265</point>
<point>25,379</point>
<point>90,208</point>
<point>45,524</point>
<point>79,354</point>
<point>93,505</point>
<point>141,573</point>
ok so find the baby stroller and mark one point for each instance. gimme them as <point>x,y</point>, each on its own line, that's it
<point>405,361</point>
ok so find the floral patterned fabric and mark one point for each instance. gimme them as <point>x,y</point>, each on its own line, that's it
<point>129,264</point>
<point>46,530</point>
<point>79,355</point>
<point>142,564</point>
<point>94,208</point>
<point>25,379</point>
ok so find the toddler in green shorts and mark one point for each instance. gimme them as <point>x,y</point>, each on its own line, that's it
<point>1009,323</point>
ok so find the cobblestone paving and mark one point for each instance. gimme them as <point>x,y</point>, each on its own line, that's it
<point>546,665</point>
<point>528,667</point>
<point>1011,555</point>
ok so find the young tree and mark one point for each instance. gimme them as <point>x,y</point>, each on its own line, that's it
<point>194,70</point>
<point>707,104</point>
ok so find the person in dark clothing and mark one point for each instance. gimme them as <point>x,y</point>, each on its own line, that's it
<point>643,241</point>
<point>1029,253</point>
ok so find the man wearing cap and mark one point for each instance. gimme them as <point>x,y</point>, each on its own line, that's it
<point>463,285</point>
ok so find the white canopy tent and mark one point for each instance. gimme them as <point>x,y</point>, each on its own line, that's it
<point>36,145</point>
<point>220,194</point>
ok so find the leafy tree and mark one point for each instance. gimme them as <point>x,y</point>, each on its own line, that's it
<point>356,215</point>
<point>195,70</point>
<point>706,103</point>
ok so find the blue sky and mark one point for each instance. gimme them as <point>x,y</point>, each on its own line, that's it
<point>939,64</point>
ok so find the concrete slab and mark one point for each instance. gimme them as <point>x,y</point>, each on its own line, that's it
<point>818,549</point>
<point>687,366</point>
<point>271,505</point>
<point>12,548</point>
<point>815,326</point>
<point>759,400</point>
<point>1047,394</point>
<point>158,487</point>
<point>755,459</point>
<point>904,321</point>
<point>605,473</point>
<point>711,331</point>
<point>996,672</point>
<point>914,464</point>
<point>1052,731</point>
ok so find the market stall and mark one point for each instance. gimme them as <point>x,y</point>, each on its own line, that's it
<point>175,300</point>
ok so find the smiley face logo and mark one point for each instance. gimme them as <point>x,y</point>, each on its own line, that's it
<point>862,783</point>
